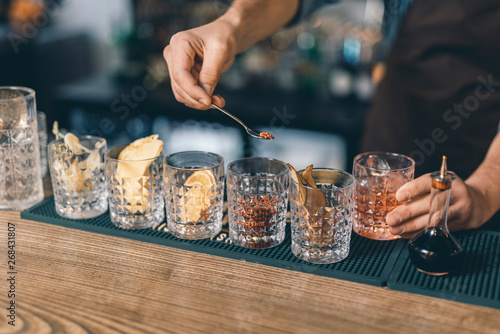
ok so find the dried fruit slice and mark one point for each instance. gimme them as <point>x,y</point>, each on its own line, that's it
<point>142,149</point>
<point>296,176</point>
<point>201,178</point>
<point>312,199</point>
<point>70,175</point>
<point>198,199</point>
<point>73,143</point>
<point>55,130</point>
<point>307,175</point>
<point>317,217</point>
<point>133,167</point>
<point>93,161</point>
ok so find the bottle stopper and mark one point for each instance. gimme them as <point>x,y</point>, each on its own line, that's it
<point>442,180</point>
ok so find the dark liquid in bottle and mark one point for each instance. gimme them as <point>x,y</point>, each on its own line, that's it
<point>435,252</point>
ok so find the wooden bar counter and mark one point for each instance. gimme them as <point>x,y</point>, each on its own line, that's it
<point>72,281</point>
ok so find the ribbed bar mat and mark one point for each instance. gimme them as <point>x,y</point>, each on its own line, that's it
<point>476,282</point>
<point>369,261</point>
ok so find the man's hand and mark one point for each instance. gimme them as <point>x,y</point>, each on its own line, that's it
<point>413,215</point>
<point>196,58</point>
<point>472,202</point>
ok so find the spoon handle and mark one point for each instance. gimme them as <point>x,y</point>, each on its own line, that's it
<point>230,115</point>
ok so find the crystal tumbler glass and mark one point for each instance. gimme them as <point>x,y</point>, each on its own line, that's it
<point>378,175</point>
<point>257,201</point>
<point>135,190</point>
<point>78,179</point>
<point>20,173</point>
<point>321,217</point>
<point>42,141</point>
<point>194,192</point>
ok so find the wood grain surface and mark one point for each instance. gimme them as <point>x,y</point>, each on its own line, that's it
<point>71,281</point>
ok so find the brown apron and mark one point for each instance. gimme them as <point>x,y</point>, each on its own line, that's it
<point>441,93</point>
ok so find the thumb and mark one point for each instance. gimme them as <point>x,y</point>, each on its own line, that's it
<point>211,70</point>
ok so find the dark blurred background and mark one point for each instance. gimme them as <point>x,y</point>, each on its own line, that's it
<point>97,68</point>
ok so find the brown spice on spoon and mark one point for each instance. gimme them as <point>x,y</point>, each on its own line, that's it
<point>266,135</point>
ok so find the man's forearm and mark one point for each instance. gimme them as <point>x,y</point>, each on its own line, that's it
<point>486,180</point>
<point>253,20</point>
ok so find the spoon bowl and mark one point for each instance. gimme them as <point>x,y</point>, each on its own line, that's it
<point>253,133</point>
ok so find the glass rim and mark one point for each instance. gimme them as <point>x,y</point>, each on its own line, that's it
<point>287,170</point>
<point>340,171</point>
<point>385,153</point>
<point>129,161</point>
<point>166,164</point>
<point>83,136</point>
<point>30,91</point>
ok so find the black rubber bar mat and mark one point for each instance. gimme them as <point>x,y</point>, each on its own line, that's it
<point>477,281</point>
<point>369,261</point>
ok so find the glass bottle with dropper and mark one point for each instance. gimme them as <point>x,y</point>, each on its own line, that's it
<point>435,251</point>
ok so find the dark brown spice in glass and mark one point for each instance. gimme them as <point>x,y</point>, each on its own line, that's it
<point>258,214</point>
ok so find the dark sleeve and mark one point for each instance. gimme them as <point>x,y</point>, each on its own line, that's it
<point>307,7</point>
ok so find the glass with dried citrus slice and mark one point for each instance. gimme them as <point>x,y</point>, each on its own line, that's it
<point>134,179</point>
<point>194,190</point>
<point>321,213</point>
<point>77,174</point>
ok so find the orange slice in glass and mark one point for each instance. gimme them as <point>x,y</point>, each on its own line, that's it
<point>198,198</point>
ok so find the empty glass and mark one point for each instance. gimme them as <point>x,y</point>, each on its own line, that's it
<point>321,217</point>
<point>20,174</point>
<point>378,175</point>
<point>135,190</point>
<point>257,201</point>
<point>78,179</point>
<point>194,191</point>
